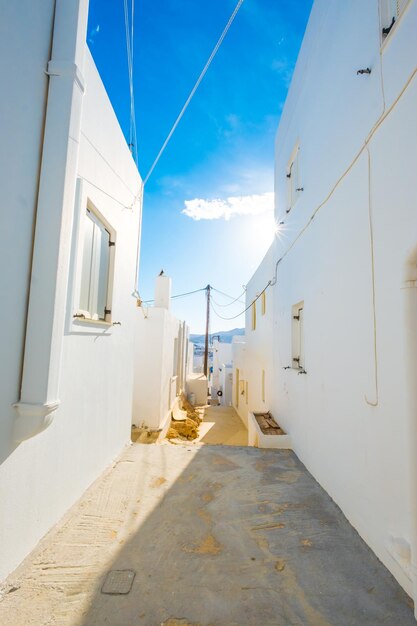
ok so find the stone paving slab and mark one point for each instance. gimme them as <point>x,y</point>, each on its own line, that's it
<point>217,536</point>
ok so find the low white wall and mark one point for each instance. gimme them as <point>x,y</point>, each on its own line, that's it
<point>197,384</point>
<point>157,330</point>
<point>198,363</point>
<point>258,439</point>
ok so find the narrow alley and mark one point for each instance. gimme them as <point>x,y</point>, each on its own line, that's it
<point>204,535</point>
<point>222,425</point>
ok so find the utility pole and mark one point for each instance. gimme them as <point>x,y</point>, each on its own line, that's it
<point>206,345</point>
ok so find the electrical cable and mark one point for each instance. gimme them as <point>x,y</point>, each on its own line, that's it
<point>371,243</point>
<point>227,296</point>
<point>108,164</point>
<point>247,308</point>
<point>133,110</point>
<point>129,47</point>
<point>180,295</point>
<point>225,305</point>
<point>194,89</point>
<point>129,33</point>
<point>377,124</point>
<point>139,197</point>
<point>133,143</point>
<point>122,204</point>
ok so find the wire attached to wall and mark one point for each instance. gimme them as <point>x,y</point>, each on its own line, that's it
<point>371,240</point>
<point>247,308</point>
<point>106,193</point>
<point>273,281</point>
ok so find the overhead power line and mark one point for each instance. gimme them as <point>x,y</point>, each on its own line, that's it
<point>247,308</point>
<point>232,298</point>
<point>180,295</point>
<point>129,33</point>
<point>194,89</point>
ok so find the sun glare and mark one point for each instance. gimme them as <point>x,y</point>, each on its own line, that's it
<point>262,231</point>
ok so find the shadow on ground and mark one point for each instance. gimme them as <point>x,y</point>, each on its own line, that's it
<point>244,537</point>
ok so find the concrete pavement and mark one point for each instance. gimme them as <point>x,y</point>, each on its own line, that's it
<point>222,425</point>
<point>215,535</point>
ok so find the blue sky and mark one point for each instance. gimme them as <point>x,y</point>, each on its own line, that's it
<point>219,163</point>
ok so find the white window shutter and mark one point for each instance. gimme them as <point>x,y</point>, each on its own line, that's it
<point>95,268</point>
<point>103,241</point>
<point>301,337</point>
<point>87,264</point>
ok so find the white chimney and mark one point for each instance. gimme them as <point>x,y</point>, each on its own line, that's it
<point>163,292</point>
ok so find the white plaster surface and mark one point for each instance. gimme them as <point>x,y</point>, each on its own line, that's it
<point>43,476</point>
<point>198,385</point>
<point>349,416</point>
<point>156,332</point>
<point>161,360</point>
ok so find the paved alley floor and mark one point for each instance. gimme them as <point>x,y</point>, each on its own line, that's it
<point>222,425</point>
<point>213,535</point>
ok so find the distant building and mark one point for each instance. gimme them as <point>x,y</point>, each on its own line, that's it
<point>331,344</point>
<point>221,381</point>
<point>70,219</point>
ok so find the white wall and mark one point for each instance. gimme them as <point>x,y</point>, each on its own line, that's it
<point>190,358</point>
<point>41,477</point>
<point>197,384</point>
<point>198,363</point>
<point>240,363</point>
<point>226,384</point>
<point>157,330</point>
<point>347,420</point>
<point>222,355</point>
<point>258,342</point>
<point>23,59</point>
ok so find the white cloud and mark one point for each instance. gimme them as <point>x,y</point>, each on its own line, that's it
<point>200,209</point>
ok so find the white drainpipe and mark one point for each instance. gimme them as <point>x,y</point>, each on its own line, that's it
<point>410,322</point>
<point>39,396</point>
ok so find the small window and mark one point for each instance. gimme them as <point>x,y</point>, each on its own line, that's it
<point>293,179</point>
<point>391,11</point>
<point>95,273</point>
<point>263,300</point>
<point>253,315</point>
<point>298,336</point>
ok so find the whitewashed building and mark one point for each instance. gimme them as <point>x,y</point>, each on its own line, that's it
<point>70,217</point>
<point>221,387</point>
<point>331,346</point>
<point>161,361</point>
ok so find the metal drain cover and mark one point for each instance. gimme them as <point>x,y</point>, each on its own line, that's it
<point>118,582</point>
